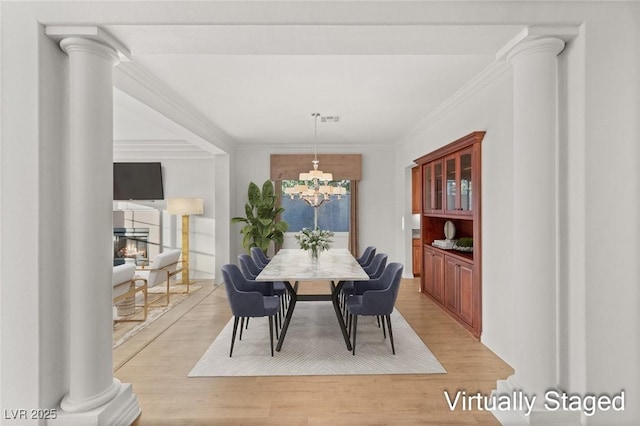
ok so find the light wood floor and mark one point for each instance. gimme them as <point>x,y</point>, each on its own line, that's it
<point>157,361</point>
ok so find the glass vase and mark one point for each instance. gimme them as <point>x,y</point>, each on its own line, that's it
<point>314,253</point>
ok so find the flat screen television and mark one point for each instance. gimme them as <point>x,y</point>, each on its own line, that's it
<point>137,181</point>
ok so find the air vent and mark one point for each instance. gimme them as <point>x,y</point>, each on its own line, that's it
<point>330,118</point>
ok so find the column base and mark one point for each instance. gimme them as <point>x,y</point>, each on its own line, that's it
<point>520,415</point>
<point>123,409</point>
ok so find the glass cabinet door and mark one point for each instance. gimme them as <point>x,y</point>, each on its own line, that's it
<point>466,184</point>
<point>428,187</point>
<point>437,181</point>
<point>451,185</point>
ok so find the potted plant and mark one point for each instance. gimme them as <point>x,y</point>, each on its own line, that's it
<point>261,226</point>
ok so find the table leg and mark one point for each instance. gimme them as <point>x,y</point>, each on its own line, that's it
<point>334,298</point>
<point>287,319</point>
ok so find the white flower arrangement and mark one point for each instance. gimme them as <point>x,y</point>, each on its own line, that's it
<point>315,240</point>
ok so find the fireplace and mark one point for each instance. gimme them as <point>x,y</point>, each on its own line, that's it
<point>130,245</point>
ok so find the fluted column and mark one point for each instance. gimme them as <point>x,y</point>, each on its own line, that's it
<point>91,381</point>
<point>535,138</point>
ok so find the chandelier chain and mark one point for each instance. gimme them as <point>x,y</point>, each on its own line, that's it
<point>315,135</point>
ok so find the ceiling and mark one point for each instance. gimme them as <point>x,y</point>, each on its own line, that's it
<point>259,84</point>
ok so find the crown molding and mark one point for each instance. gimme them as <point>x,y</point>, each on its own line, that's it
<point>153,144</point>
<point>139,83</point>
<point>157,156</point>
<point>481,80</point>
<point>308,148</point>
<point>139,149</point>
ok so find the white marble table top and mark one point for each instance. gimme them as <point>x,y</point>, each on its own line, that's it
<point>296,265</point>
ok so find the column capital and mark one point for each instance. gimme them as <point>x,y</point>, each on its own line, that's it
<point>79,44</point>
<point>537,39</point>
<point>549,45</point>
<point>90,33</point>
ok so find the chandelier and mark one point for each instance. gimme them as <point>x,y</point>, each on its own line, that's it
<point>315,189</point>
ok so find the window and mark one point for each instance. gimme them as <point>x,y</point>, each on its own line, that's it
<point>333,215</point>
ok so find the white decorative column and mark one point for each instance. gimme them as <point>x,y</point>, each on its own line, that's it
<point>94,396</point>
<point>535,138</point>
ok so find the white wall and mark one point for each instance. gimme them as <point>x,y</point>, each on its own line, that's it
<point>33,248</point>
<point>56,264</point>
<point>612,202</point>
<point>195,178</point>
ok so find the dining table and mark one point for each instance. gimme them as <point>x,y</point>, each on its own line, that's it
<point>297,266</point>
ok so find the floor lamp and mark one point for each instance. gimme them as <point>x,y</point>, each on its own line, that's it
<point>185,207</point>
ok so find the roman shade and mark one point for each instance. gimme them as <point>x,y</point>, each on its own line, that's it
<point>342,166</point>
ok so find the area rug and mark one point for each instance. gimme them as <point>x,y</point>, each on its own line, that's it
<point>123,331</point>
<point>314,346</point>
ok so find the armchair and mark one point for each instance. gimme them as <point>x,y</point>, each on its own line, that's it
<point>250,270</point>
<point>374,270</point>
<point>375,297</point>
<point>164,266</point>
<point>376,266</point>
<point>249,299</point>
<point>125,287</point>
<point>259,257</point>
<point>367,256</point>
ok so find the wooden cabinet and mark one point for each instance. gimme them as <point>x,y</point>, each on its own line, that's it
<point>450,179</point>
<point>416,190</point>
<point>458,289</point>
<point>416,256</point>
<point>433,277</point>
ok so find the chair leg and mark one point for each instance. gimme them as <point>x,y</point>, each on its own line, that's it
<point>393,349</point>
<point>168,286</point>
<point>355,327</point>
<point>271,332</point>
<point>241,327</point>
<point>384,333</point>
<point>146,303</point>
<point>378,318</point>
<point>275,326</point>
<point>233,335</point>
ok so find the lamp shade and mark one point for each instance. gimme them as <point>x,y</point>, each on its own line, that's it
<point>185,206</point>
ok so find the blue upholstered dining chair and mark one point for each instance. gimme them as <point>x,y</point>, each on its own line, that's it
<point>249,299</point>
<point>374,270</point>
<point>377,265</point>
<point>259,257</point>
<point>250,271</point>
<point>367,256</point>
<point>248,266</point>
<point>375,298</point>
